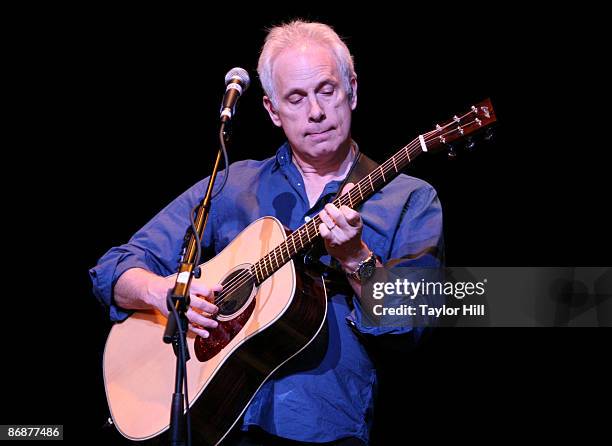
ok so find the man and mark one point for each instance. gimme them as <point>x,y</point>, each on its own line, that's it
<point>326,394</point>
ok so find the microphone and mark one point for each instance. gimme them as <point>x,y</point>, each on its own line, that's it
<point>237,81</point>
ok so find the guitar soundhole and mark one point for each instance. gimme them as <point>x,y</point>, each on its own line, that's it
<point>238,288</point>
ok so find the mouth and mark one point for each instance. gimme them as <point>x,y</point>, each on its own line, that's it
<point>321,133</point>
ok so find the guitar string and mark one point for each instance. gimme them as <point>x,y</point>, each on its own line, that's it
<point>248,275</point>
<point>313,224</point>
<point>251,273</point>
<point>311,229</point>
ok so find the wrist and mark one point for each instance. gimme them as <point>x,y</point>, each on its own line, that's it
<point>156,289</point>
<point>351,264</point>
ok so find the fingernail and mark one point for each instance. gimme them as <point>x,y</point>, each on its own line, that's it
<point>205,334</point>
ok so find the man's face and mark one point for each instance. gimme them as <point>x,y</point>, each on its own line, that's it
<point>312,107</point>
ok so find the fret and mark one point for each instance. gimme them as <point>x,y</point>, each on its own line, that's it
<point>293,241</point>
<point>394,165</point>
<point>271,255</point>
<point>407,153</point>
<point>371,185</point>
<point>272,261</point>
<point>254,266</point>
<point>382,172</point>
<point>360,192</point>
<point>256,275</point>
<point>275,257</point>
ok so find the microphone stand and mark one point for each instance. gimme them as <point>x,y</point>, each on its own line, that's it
<point>178,297</point>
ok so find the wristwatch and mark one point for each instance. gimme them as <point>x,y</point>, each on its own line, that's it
<point>365,269</point>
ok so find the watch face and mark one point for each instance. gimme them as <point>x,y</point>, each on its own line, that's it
<point>367,269</point>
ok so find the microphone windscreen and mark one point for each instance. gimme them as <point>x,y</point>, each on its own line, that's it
<point>238,73</point>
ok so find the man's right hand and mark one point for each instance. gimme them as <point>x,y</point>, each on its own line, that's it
<point>140,289</point>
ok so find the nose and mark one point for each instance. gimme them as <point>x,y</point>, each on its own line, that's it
<point>316,113</point>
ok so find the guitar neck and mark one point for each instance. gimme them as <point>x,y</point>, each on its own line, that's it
<point>305,236</point>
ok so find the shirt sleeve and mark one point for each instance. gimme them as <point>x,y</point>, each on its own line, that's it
<point>155,247</point>
<point>418,243</point>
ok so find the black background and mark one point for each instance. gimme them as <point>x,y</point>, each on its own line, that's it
<point>120,110</point>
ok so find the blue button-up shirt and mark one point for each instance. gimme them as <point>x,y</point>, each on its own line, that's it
<point>327,393</point>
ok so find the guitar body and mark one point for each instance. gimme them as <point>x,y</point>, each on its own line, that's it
<point>272,324</point>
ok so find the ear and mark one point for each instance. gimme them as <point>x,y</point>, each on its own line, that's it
<point>267,103</point>
<point>354,93</point>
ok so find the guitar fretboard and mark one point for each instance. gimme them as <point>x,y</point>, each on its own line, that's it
<point>304,237</point>
<point>480,116</point>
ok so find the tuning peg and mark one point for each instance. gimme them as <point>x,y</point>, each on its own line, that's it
<point>452,154</point>
<point>470,144</point>
<point>489,134</point>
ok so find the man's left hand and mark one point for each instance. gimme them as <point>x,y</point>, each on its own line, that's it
<point>341,231</point>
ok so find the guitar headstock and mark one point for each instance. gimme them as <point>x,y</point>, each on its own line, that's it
<point>480,116</point>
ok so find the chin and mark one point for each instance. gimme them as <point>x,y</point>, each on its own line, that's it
<point>326,147</point>
<point>321,149</point>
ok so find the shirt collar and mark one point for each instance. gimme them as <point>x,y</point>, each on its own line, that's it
<point>283,155</point>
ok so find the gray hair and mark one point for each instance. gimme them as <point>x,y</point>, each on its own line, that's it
<point>298,31</point>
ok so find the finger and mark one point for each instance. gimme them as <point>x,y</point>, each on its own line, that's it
<point>338,216</point>
<point>325,232</point>
<point>353,217</point>
<point>347,188</point>
<point>201,320</point>
<point>201,304</point>
<point>329,222</point>
<point>328,236</point>
<point>217,287</point>
<point>203,289</point>
<point>199,331</point>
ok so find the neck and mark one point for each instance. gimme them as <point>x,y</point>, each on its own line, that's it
<point>334,167</point>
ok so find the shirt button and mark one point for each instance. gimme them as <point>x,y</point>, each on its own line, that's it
<point>307,219</point>
<point>299,184</point>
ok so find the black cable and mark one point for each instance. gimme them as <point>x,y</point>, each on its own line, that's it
<point>182,343</point>
<point>194,209</point>
<point>225,159</point>
<point>182,346</point>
